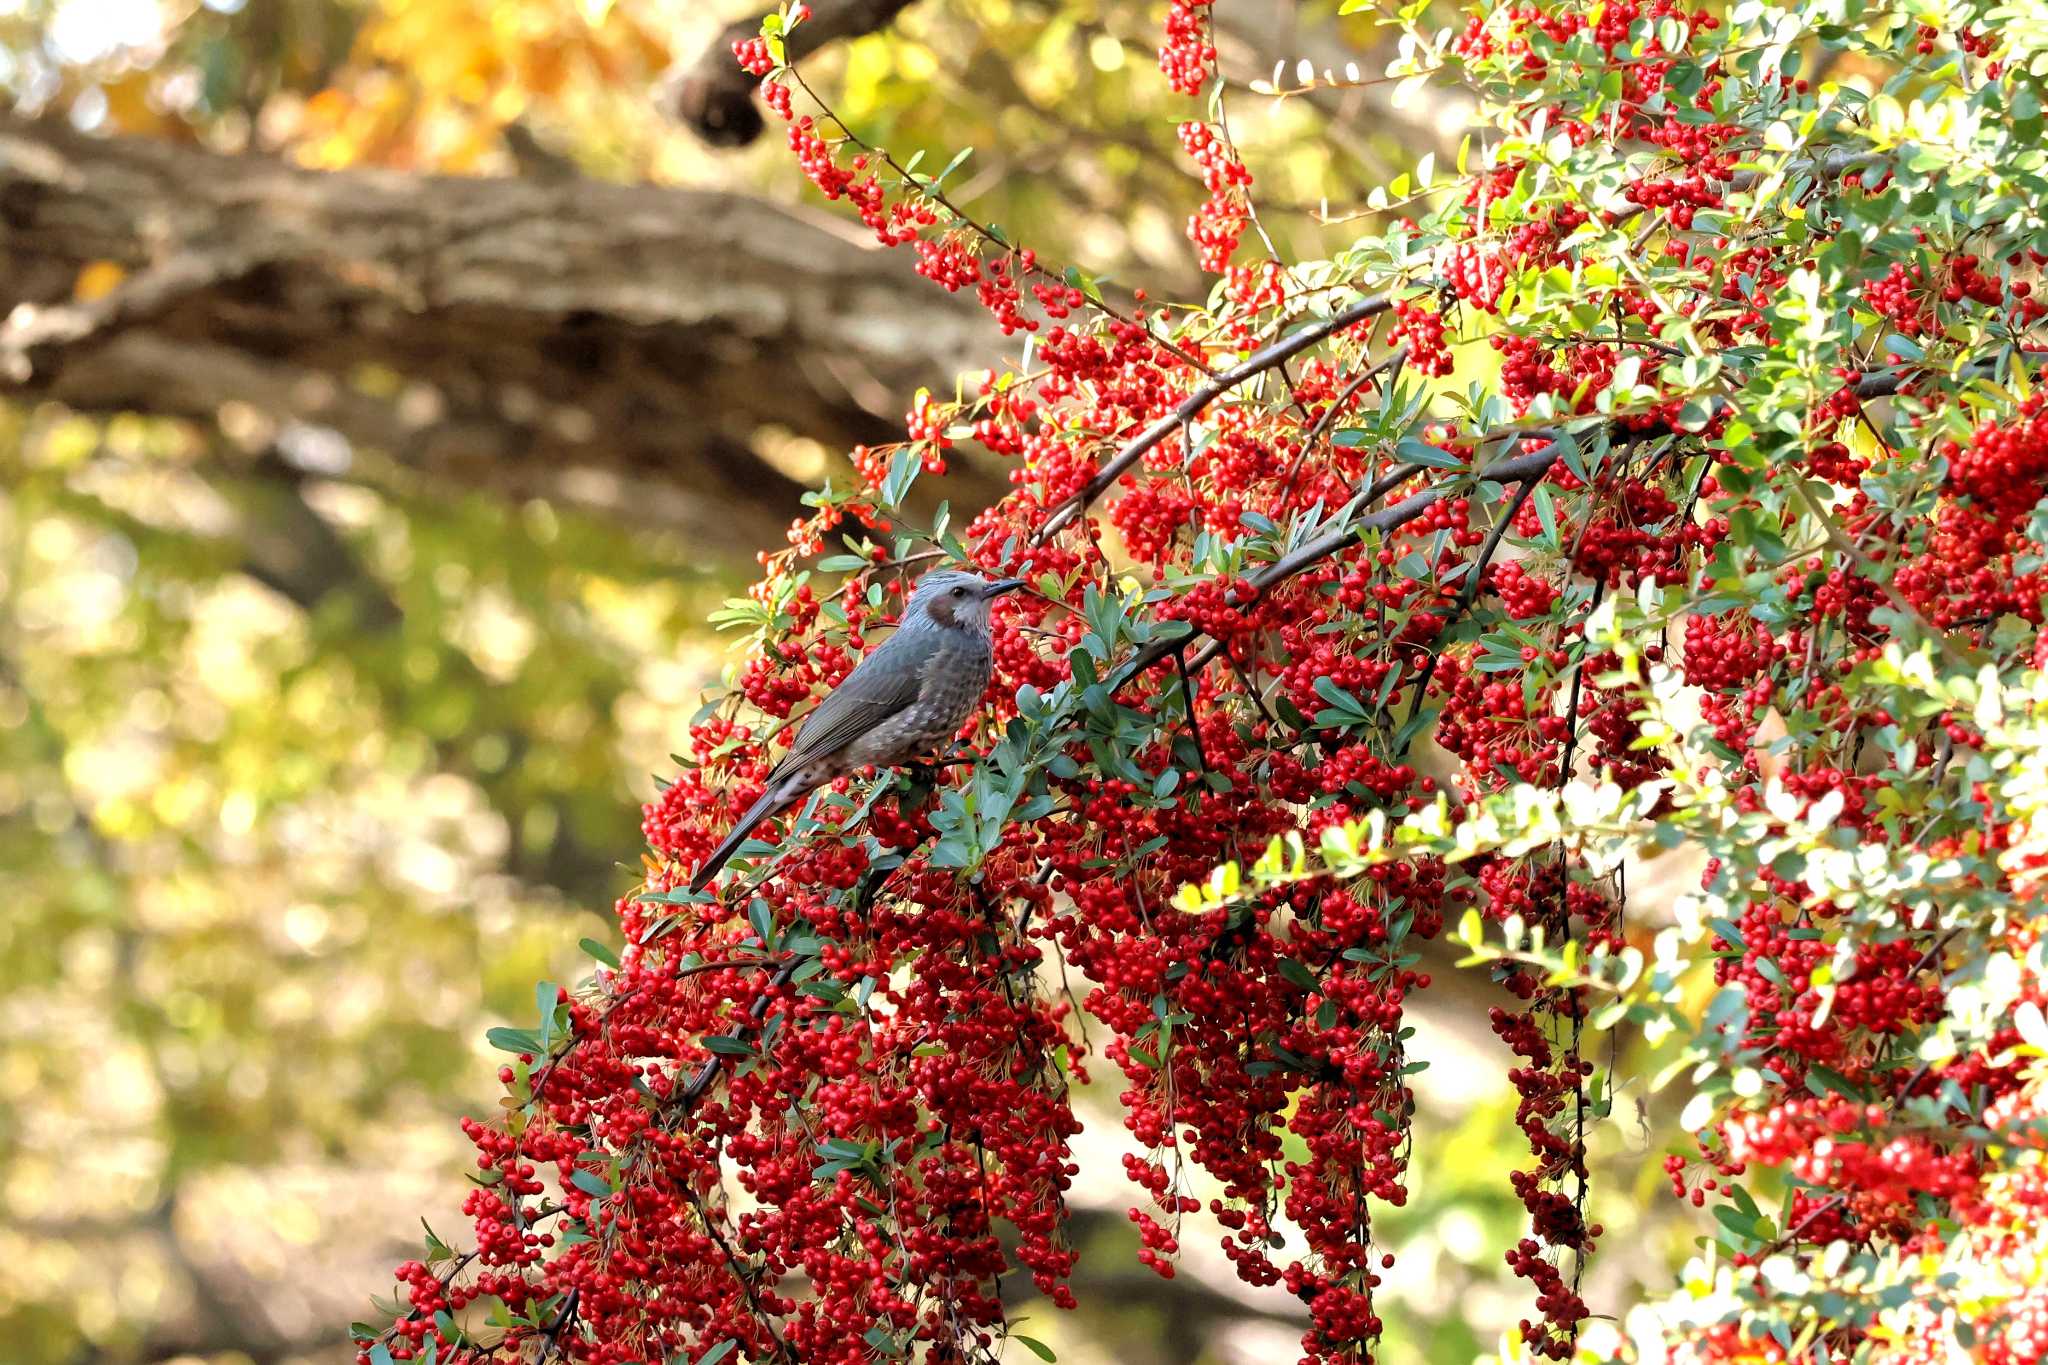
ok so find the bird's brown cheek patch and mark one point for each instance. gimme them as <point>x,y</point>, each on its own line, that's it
<point>941,611</point>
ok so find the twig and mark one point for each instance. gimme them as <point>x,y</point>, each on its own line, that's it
<point>1206,393</point>
<point>739,1273</point>
<point>1564,773</point>
<point>1829,165</point>
<point>1529,466</point>
<point>1187,684</point>
<point>929,190</point>
<point>1861,562</point>
<point>1393,360</point>
<point>1833,1201</point>
<point>1251,207</point>
<point>552,1333</point>
<point>1468,593</point>
<point>1251,691</point>
<point>1927,959</point>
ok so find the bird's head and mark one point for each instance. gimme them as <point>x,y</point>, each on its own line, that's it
<point>956,600</point>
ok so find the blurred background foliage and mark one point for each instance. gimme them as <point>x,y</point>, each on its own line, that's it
<point>307,774</point>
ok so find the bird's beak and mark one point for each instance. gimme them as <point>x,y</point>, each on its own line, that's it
<point>1003,585</point>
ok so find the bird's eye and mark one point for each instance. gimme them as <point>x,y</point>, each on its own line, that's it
<point>960,592</point>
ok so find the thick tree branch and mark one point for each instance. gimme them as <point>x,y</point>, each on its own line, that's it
<point>715,97</point>
<point>607,344</point>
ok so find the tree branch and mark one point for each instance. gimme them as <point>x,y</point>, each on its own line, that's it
<point>1527,468</point>
<point>714,97</point>
<point>617,346</point>
<point>1205,393</point>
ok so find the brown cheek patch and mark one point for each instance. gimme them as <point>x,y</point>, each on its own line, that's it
<point>941,611</point>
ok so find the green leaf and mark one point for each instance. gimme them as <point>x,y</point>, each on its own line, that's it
<point>590,1182</point>
<point>1035,1346</point>
<point>953,165</point>
<point>726,1045</point>
<point>1080,279</point>
<point>1742,1224</point>
<point>600,952</point>
<point>903,471</point>
<point>843,1149</point>
<point>718,1352</point>
<point>1339,698</point>
<point>1546,513</point>
<point>681,895</point>
<point>514,1040</point>
<point>1414,451</point>
<point>1696,413</point>
<point>1297,974</point>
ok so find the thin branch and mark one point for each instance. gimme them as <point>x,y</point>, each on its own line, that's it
<point>1564,773</point>
<point>1833,1201</point>
<point>1468,592</point>
<point>1187,683</point>
<point>739,1273</point>
<point>1832,164</point>
<point>1528,467</point>
<point>1521,468</point>
<point>929,190</point>
<point>1393,360</point>
<point>700,1084</point>
<point>1848,549</point>
<point>1206,393</point>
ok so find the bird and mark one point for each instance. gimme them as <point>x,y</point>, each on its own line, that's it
<point>905,699</point>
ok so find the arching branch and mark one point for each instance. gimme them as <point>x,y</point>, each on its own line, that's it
<point>566,339</point>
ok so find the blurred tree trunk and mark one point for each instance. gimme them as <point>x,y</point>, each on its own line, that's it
<point>614,346</point>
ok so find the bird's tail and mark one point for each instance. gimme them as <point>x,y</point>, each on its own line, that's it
<point>773,801</point>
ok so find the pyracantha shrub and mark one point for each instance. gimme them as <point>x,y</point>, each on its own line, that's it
<point>1672,464</point>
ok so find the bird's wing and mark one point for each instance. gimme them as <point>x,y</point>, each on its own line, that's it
<point>881,685</point>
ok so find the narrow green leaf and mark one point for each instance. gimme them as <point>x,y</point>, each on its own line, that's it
<point>726,1045</point>
<point>514,1040</point>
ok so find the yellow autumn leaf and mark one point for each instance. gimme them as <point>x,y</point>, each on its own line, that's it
<point>97,280</point>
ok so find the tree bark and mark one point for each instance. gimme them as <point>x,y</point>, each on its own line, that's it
<point>618,346</point>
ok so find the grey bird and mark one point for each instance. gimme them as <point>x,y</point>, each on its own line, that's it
<point>904,700</point>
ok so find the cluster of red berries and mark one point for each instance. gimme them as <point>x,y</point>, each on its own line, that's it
<point>1421,329</point>
<point>865,1047</point>
<point>1188,56</point>
<point>1218,225</point>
